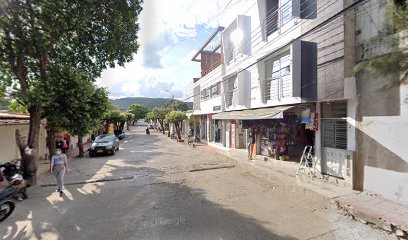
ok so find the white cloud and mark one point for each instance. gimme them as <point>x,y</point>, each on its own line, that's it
<point>159,66</point>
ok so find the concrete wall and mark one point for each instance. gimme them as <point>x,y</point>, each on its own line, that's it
<point>8,147</point>
<point>381,119</point>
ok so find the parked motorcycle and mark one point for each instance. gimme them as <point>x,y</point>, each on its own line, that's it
<point>14,177</point>
<point>6,205</point>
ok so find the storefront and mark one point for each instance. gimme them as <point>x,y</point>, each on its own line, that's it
<point>279,132</point>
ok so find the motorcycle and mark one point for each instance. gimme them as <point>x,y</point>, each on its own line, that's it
<point>6,205</point>
<point>14,177</point>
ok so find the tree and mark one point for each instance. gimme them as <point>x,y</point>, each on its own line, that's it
<point>118,119</point>
<point>176,105</point>
<point>139,112</point>
<point>396,16</point>
<point>75,105</point>
<point>129,119</point>
<point>15,106</point>
<point>36,35</point>
<point>176,117</point>
<point>160,114</point>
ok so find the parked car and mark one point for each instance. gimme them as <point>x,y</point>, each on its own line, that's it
<point>151,126</point>
<point>104,144</point>
<point>119,133</point>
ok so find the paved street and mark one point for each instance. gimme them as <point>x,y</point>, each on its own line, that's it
<point>147,191</point>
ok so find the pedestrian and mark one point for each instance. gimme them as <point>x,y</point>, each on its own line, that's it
<point>59,167</point>
<point>250,148</point>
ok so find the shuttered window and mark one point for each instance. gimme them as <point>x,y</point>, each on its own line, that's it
<point>278,79</point>
<point>334,125</point>
<point>335,133</point>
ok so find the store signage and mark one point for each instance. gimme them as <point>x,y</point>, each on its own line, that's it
<point>216,108</point>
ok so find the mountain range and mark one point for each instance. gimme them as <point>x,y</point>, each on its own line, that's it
<point>149,103</point>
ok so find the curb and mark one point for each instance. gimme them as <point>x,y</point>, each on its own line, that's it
<point>399,229</point>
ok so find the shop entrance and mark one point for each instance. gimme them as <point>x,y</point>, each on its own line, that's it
<point>285,138</point>
<point>217,130</point>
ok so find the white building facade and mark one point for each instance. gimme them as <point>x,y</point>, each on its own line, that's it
<point>285,80</point>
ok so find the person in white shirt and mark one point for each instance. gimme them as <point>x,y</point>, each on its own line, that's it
<point>59,166</point>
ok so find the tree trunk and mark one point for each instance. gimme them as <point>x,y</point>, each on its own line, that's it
<point>29,150</point>
<point>178,131</point>
<point>162,126</point>
<point>80,146</point>
<point>51,143</point>
<point>168,128</point>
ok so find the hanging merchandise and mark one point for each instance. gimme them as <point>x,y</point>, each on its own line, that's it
<point>315,122</point>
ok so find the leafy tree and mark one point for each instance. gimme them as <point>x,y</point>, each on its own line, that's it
<point>16,106</point>
<point>159,114</point>
<point>36,35</point>
<point>176,105</point>
<point>75,105</point>
<point>117,118</point>
<point>176,117</point>
<point>129,119</point>
<point>396,16</point>
<point>139,112</point>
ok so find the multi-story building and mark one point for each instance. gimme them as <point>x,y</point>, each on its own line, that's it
<point>282,77</point>
<point>381,117</point>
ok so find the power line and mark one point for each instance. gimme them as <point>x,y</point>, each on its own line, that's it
<point>161,54</point>
<point>330,19</point>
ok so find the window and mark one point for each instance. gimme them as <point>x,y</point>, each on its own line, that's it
<point>207,93</point>
<point>203,94</point>
<point>278,79</point>
<point>231,91</point>
<point>215,89</point>
<point>278,13</point>
<point>335,133</point>
<point>285,11</point>
<point>334,125</point>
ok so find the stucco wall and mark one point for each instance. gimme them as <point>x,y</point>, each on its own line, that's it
<point>8,146</point>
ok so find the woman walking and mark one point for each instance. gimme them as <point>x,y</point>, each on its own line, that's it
<point>58,166</point>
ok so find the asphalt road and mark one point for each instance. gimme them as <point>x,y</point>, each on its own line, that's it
<point>147,191</point>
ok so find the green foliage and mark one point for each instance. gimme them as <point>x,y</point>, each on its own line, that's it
<point>396,62</point>
<point>118,118</point>
<point>149,103</point>
<point>149,116</point>
<point>175,117</point>
<point>138,111</point>
<point>176,105</point>
<point>160,113</point>
<point>15,106</point>
<point>74,103</point>
<point>78,33</point>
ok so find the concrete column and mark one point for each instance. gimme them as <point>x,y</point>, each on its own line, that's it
<point>318,138</point>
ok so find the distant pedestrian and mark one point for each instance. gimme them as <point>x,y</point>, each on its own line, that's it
<point>250,148</point>
<point>59,167</point>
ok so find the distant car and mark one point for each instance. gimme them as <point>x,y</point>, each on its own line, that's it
<point>119,133</point>
<point>104,144</point>
<point>151,127</point>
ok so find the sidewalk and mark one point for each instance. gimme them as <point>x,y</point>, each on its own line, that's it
<point>368,208</point>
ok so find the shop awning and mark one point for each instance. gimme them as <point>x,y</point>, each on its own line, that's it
<point>255,114</point>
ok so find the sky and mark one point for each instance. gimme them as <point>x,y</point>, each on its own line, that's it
<point>170,33</point>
